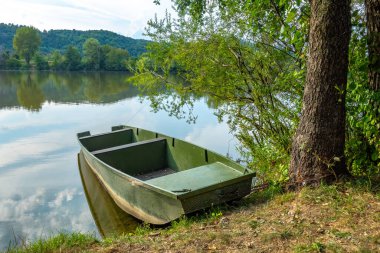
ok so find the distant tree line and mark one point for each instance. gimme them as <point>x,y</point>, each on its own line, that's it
<point>92,56</point>
<point>60,40</point>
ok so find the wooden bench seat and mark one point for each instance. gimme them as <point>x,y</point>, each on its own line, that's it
<point>195,178</point>
<point>129,145</point>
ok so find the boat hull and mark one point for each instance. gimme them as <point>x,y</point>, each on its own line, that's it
<point>109,218</point>
<point>131,195</point>
<point>154,203</point>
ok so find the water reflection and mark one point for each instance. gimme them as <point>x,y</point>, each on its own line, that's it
<point>40,113</point>
<point>30,90</point>
<point>44,212</point>
<point>108,216</point>
<point>29,94</point>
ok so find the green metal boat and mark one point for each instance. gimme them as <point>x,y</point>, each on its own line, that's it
<point>157,178</point>
<point>109,218</point>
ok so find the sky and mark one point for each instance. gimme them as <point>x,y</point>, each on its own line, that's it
<point>126,17</point>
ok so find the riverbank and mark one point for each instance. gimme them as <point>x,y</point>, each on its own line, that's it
<point>340,218</point>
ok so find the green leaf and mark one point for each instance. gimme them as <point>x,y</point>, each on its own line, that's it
<point>291,16</point>
<point>374,156</point>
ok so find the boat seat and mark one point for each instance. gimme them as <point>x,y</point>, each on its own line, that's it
<point>195,178</point>
<point>106,140</point>
<point>129,145</point>
<point>135,158</point>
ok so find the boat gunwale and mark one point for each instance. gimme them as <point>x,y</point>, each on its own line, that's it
<point>179,196</point>
<point>100,134</point>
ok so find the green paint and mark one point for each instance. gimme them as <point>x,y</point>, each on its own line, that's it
<point>201,177</point>
<point>196,178</point>
<point>108,216</point>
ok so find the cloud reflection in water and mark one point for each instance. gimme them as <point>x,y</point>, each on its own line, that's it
<point>42,214</point>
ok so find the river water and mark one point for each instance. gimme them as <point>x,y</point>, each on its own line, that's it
<point>41,191</point>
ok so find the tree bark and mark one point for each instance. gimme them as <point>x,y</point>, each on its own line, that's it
<point>318,145</point>
<point>373,33</point>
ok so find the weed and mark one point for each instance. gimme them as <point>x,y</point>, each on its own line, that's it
<point>143,229</point>
<point>214,213</point>
<point>313,247</point>
<point>286,197</point>
<point>254,224</point>
<point>264,195</point>
<point>182,222</point>
<point>286,234</point>
<point>340,234</point>
<point>283,235</point>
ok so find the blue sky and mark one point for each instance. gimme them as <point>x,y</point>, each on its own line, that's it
<point>127,17</point>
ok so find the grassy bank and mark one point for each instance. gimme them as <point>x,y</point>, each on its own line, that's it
<point>340,218</point>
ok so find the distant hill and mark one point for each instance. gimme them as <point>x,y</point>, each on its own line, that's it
<point>61,39</point>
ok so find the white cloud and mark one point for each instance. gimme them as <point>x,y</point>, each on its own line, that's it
<point>125,17</point>
<point>63,196</point>
<point>11,208</point>
<point>31,216</point>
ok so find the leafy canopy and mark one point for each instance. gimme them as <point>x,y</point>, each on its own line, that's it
<point>26,42</point>
<point>246,57</point>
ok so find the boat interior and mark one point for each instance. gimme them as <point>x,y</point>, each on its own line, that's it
<point>159,160</point>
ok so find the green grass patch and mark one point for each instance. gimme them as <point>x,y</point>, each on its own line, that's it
<point>341,234</point>
<point>313,247</point>
<point>61,242</point>
<point>265,195</point>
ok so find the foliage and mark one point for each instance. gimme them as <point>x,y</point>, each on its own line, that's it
<point>26,42</point>
<point>95,57</point>
<point>72,59</point>
<point>247,58</point>
<point>7,32</point>
<point>363,113</point>
<point>98,57</point>
<point>93,54</point>
<point>13,63</point>
<point>61,39</point>
<point>115,58</point>
<point>56,60</point>
<point>4,56</point>
<point>41,62</point>
<point>102,50</point>
<point>9,61</point>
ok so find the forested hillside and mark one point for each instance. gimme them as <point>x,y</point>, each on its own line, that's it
<point>61,39</point>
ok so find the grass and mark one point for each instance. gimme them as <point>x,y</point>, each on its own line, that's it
<point>344,217</point>
<point>63,242</point>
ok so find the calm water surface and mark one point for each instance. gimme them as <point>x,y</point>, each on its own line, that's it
<point>41,192</point>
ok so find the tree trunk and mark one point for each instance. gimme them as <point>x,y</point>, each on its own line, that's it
<point>373,33</point>
<point>318,145</point>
